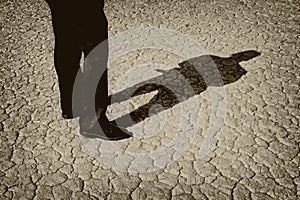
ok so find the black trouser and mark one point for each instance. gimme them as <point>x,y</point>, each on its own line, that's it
<point>79,26</point>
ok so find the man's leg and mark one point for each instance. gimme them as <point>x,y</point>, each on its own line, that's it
<point>93,28</point>
<point>95,73</point>
<point>95,33</point>
<point>67,54</point>
<point>66,60</point>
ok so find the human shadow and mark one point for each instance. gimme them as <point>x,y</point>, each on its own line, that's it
<point>173,86</point>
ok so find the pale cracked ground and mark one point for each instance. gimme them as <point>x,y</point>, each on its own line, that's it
<point>257,155</point>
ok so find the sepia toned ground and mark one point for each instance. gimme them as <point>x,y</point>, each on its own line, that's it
<point>257,152</point>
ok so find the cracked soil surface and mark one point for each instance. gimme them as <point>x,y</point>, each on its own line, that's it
<point>256,156</point>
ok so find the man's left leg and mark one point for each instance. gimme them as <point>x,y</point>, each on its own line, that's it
<point>96,34</point>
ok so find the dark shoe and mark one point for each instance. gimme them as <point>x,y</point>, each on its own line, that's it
<point>111,133</point>
<point>68,116</point>
<point>98,126</point>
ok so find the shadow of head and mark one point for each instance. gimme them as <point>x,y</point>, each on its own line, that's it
<point>192,77</point>
<point>245,55</point>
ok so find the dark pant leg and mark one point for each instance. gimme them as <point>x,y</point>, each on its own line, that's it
<point>67,53</point>
<point>78,26</point>
<point>95,33</point>
<point>101,96</point>
<point>67,56</point>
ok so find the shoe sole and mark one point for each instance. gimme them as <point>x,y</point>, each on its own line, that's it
<point>90,135</point>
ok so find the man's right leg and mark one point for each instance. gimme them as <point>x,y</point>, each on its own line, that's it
<point>66,60</point>
<point>67,54</point>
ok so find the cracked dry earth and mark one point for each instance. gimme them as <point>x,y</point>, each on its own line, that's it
<point>256,155</point>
